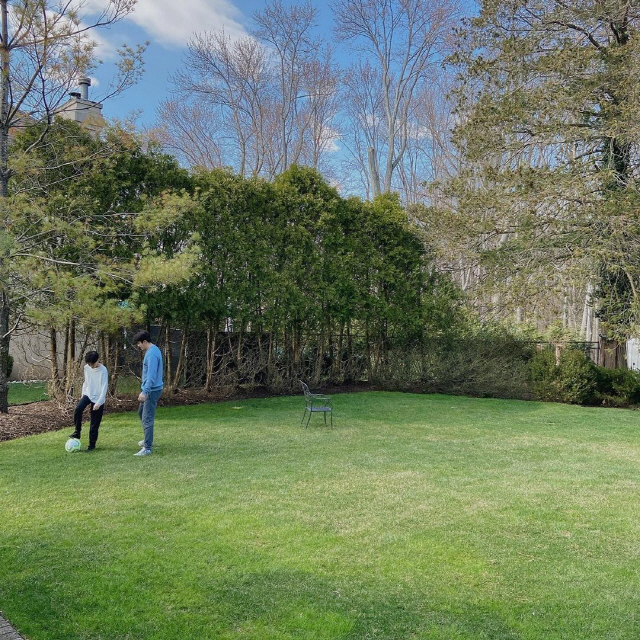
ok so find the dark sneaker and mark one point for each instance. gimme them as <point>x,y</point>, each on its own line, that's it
<point>76,435</point>
<point>91,447</point>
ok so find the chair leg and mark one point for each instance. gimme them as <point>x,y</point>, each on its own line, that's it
<point>324,415</point>
<point>331,416</point>
<point>308,420</point>
<point>303,416</point>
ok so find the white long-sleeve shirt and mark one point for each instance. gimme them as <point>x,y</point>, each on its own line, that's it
<point>95,383</point>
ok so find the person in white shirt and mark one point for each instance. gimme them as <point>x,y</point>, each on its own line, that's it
<point>94,394</point>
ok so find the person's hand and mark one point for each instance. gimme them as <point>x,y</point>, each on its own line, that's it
<point>142,397</point>
<point>96,406</point>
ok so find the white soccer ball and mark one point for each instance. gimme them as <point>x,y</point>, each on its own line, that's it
<point>72,444</point>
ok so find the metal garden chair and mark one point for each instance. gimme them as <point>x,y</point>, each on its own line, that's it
<point>316,403</point>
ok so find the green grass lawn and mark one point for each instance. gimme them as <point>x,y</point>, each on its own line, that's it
<point>417,517</point>
<point>21,392</point>
<point>128,385</point>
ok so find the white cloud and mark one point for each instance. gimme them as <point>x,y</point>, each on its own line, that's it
<point>105,50</point>
<point>369,120</point>
<point>172,24</point>
<point>331,138</point>
<point>333,147</point>
<point>419,132</point>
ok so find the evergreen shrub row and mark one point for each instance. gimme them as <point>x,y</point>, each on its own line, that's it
<point>481,365</point>
<point>502,367</point>
<point>576,379</point>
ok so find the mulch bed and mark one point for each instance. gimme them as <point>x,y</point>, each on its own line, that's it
<point>48,415</point>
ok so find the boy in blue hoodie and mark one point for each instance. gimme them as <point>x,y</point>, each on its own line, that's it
<point>150,390</point>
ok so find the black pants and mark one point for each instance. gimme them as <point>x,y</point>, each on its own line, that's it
<point>96,419</point>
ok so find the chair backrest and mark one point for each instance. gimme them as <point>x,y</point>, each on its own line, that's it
<point>305,390</point>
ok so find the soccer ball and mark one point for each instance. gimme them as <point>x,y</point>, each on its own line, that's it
<point>72,444</point>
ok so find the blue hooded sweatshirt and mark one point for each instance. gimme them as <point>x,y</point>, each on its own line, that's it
<point>152,370</point>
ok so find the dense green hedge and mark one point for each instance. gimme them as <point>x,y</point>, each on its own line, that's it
<point>495,365</point>
<point>577,380</point>
<point>617,387</point>
<point>478,365</point>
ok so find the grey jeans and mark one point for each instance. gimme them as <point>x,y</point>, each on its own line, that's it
<point>147,413</point>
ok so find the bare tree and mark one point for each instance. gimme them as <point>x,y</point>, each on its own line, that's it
<point>288,32</point>
<point>258,103</point>
<point>407,40</point>
<point>320,84</point>
<point>192,132</point>
<point>44,46</point>
<point>231,76</point>
<point>430,155</point>
<point>364,126</point>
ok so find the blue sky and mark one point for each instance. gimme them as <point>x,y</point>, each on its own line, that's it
<point>168,26</point>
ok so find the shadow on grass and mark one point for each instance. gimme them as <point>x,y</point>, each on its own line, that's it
<point>154,603</point>
<point>395,612</point>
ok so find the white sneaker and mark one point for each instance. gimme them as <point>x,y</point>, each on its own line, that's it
<point>143,452</point>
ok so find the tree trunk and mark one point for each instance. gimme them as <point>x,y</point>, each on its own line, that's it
<point>5,304</point>
<point>214,346</point>
<point>70,359</point>
<point>388,174</point>
<point>349,368</point>
<point>211,354</point>
<point>114,370</point>
<point>296,335</point>
<point>320,343</point>
<point>103,348</point>
<point>374,172</point>
<point>239,350</point>
<point>367,351</point>
<point>83,349</point>
<point>65,360</point>
<point>337,363</point>
<point>270,356</point>
<point>55,371</point>
<point>180,366</point>
<point>4,352</point>
<point>585,325</point>
<point>167,354</point>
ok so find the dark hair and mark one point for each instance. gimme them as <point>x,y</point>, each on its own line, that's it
<point>91,357</point>
<point>141,336</point>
